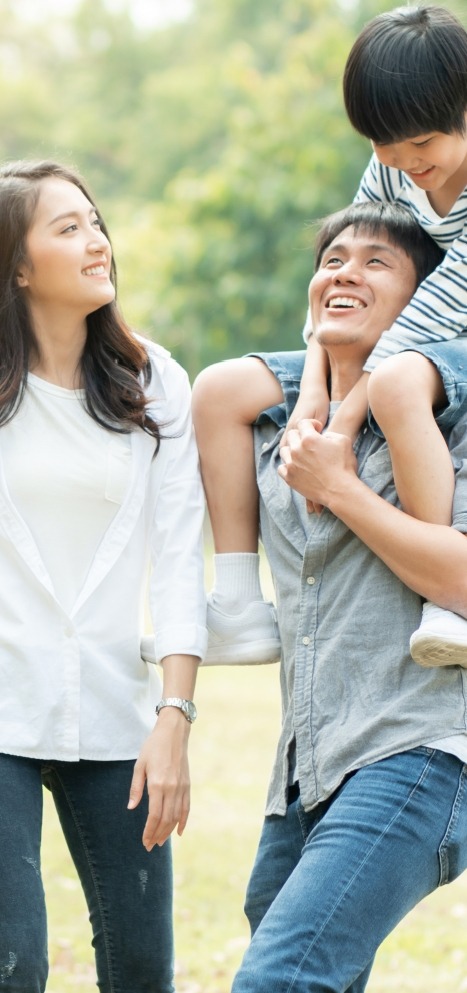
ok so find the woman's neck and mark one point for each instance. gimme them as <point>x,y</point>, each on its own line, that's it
<point>57,358</point>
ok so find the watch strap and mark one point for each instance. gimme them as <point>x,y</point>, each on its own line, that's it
<point>187,707</point>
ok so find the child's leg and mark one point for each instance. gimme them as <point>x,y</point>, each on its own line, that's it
<point>403,391</point>
<point>227,398</point>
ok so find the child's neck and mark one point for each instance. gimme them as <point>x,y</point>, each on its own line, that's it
<point>444,199</point>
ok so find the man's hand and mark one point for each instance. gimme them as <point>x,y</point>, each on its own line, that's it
<point>314,464</point>
<point>310,406</point>
<point>163,765</point>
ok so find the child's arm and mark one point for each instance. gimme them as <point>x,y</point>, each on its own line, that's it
<point>314,395</point>
<point>352,412</point>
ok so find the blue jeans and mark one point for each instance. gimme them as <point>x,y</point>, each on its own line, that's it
<point>329,885</point>
<point>127,889</point>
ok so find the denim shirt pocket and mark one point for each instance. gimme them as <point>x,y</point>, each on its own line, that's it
<point>377,472</point>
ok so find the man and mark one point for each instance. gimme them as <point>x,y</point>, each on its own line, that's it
<point>367,806</point>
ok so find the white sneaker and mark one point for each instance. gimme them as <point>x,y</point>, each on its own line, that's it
<point>248,638</point>
<point>441,638</point>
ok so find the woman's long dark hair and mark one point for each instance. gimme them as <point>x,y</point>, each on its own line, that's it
<point>114,365</point>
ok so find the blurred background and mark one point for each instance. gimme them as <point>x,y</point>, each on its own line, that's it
<point>213,135</point>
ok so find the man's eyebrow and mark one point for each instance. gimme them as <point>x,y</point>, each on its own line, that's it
<point>383,247</point>
<point>368,247</point>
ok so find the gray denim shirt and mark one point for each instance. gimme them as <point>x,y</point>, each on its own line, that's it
<point>351,694</point>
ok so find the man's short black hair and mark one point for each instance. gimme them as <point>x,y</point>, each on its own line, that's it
<point>389,219</point>
<point>406,75</point>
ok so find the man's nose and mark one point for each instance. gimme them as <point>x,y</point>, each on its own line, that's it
<point>349,272</point>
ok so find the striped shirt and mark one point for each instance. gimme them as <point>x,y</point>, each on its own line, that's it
<point>438,309</point>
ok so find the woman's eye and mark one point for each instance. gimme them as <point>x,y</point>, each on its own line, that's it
<point>70,227</point>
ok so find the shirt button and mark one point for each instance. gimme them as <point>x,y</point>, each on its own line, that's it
<point>69,632</point>
<point>311,580</point>
<point>306,640</point>
<point>264,446</point>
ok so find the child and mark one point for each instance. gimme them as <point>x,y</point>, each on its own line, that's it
<point>405,88</point>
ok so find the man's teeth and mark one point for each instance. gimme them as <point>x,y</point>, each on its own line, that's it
<point>95,270</point>
<point>346,302</point>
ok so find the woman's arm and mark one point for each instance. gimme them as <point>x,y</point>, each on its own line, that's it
<point>177,603</point>
<point>163,760</point>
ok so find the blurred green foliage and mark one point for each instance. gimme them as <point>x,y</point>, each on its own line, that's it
<point>211,144</point>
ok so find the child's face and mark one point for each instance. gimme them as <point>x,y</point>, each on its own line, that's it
<point>430,160</point>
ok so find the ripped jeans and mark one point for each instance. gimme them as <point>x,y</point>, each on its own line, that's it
<point>128,890</point>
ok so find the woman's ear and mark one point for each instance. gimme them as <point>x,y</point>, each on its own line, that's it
<point>22,279</point>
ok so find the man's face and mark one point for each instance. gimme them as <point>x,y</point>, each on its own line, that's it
<point>363,283</point>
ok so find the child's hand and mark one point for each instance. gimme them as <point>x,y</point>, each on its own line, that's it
<point>310,406</point>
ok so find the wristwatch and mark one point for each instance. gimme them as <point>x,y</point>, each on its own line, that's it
<point>187,707</point>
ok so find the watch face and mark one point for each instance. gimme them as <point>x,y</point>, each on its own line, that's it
<point>190,710</point>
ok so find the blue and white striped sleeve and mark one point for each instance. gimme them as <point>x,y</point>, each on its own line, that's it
<point>436,312</point>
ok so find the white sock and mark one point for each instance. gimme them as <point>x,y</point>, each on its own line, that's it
<point>236,581</point>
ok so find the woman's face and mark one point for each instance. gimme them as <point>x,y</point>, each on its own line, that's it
<point>67,270</point>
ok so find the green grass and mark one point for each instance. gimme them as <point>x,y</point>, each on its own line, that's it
<point>232,745</point>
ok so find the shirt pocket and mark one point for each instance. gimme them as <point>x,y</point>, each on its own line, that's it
<point>118,469</point>
<point>377,472</point>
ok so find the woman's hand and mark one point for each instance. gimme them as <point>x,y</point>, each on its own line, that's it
<point>163,766</point>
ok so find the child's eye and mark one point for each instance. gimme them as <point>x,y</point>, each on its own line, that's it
<point>376,260</point>
<point>334,260</point>
<point>421,144</point>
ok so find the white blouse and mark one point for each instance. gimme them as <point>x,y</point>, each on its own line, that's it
<point>84,516</point>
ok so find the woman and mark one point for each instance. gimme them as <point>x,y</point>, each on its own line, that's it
<point>98,475</point>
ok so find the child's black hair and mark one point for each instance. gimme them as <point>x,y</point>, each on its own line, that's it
<point>406,75</point>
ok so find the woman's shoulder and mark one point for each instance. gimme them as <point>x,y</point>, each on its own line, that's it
<point>169,385</point>
<point>162,362</point>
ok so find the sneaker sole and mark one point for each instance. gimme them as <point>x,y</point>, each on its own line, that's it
<point>259,653</point>
<point>430,651</point>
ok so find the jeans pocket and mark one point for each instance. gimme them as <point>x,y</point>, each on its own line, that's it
<point>453,848</point>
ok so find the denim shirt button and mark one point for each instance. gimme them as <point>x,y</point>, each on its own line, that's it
<point>306,640</point>
<point>311,580</point>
